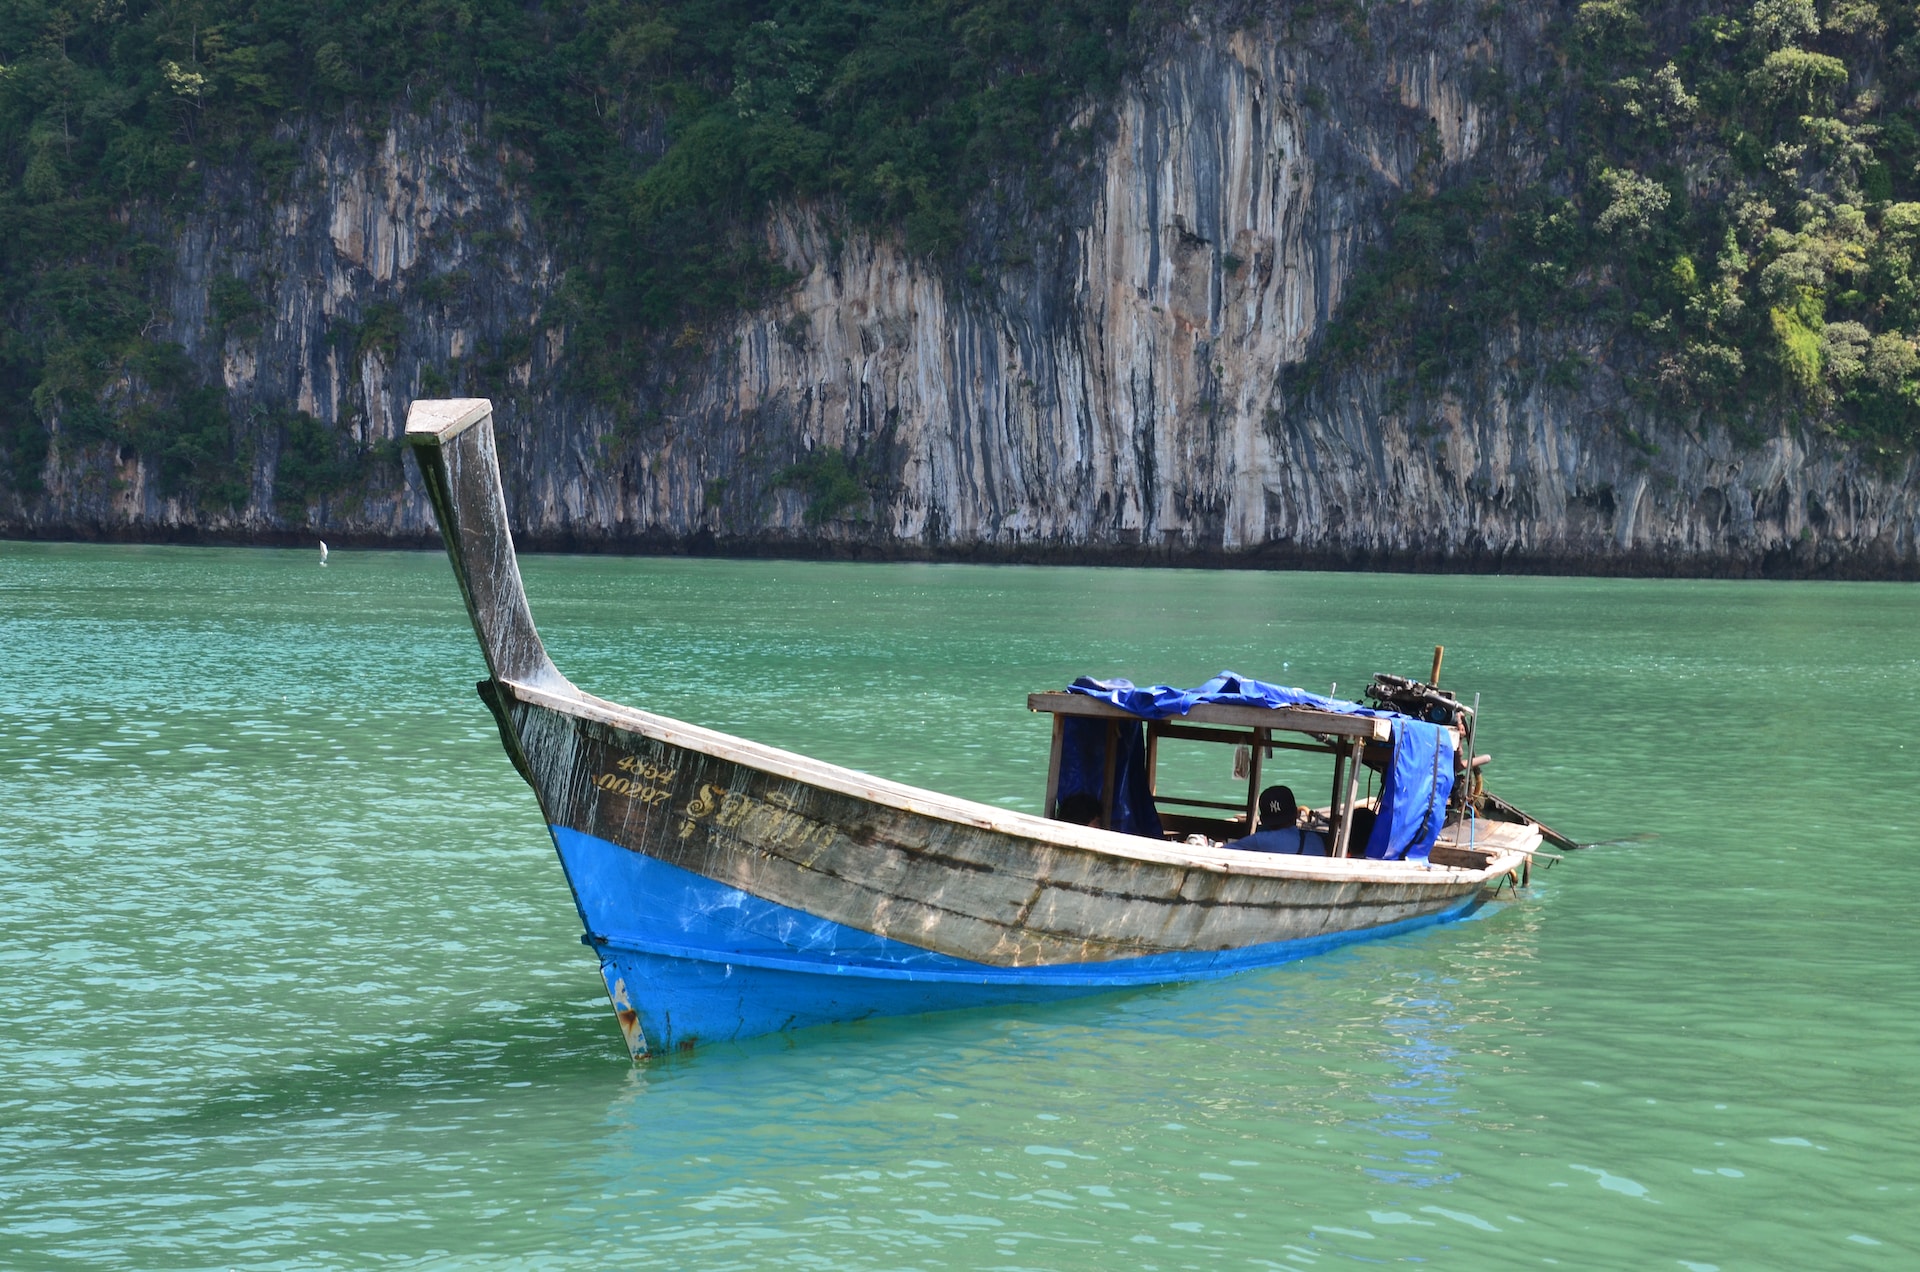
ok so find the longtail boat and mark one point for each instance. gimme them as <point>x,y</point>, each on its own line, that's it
<point>731,889</point>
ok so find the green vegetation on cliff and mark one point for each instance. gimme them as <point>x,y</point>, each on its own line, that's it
<point>1730,198</point>
<point>902,112</point>
<point>1728,194</point>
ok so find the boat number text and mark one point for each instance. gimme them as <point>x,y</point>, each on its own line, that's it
<point>639,786</point>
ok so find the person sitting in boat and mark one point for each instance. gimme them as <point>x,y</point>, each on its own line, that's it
<point>1082,808</point>
<point>1280,827</point>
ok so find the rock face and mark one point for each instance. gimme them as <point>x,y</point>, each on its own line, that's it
<point>1111,382</point>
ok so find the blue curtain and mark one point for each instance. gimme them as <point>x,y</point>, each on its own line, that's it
<point>1083,768</point>
<point>1413,801</point>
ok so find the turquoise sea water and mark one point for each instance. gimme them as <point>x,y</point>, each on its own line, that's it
<point>290,978</point>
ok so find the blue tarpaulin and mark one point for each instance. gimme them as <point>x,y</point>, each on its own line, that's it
<point>1157,702</point>
<point>1413,800</point>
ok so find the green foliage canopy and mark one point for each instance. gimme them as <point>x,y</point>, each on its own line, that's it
<point>659,132</point>
<point>1737,197</point>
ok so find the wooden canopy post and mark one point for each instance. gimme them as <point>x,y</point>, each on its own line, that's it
<point>1353,794</point>
<point>1333,800</point>
<point>1433,681</point>
<point>1253,779</point>
<point>1050,807</point>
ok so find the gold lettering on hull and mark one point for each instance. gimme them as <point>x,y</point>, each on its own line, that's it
<point>640,768</point>
<point>754,821</point>
<point>639,785</point>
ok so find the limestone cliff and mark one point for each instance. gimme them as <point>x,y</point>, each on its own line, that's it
<point>1115,380</point>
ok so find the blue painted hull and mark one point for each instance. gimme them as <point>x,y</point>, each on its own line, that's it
<point>689,960</point>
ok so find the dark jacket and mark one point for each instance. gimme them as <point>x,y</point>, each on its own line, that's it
<point>1302,843</point>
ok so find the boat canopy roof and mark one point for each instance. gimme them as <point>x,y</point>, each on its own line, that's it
<point>1228,699</point>
<point>1114,763</point>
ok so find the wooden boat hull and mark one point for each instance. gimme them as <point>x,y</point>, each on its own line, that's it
<point>676,983</point>
<point>731,889</point>
<point>726,898</point>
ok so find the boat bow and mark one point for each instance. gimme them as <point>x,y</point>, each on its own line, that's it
<point>452,441</point>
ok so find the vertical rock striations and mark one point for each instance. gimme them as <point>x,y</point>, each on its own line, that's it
<point>1117,377</point>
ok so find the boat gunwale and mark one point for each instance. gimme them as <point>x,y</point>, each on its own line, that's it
<point>940,806</point>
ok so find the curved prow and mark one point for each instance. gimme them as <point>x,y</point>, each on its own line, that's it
<point>452,441</point>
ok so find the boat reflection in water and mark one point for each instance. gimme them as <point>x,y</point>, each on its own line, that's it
<point>733,889</point>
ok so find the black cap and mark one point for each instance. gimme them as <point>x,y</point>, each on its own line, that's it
<point>1278,808</point>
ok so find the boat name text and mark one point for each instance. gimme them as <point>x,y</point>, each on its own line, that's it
<point>754,820</point>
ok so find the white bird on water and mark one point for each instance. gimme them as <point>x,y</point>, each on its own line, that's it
<point>323,551</point>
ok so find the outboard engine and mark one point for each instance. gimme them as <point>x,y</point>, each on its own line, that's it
<point>1422,701</point>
